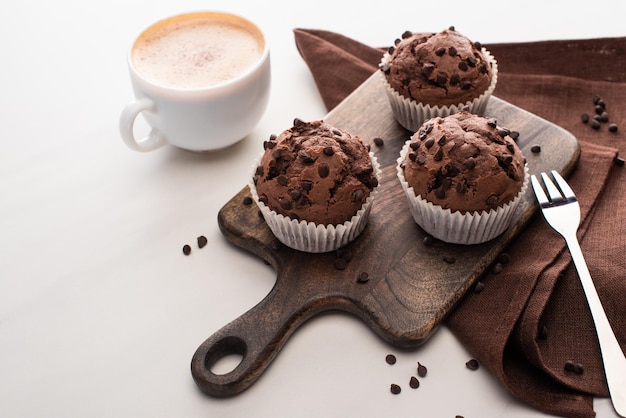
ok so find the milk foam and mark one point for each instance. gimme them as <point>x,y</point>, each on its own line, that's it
<point>196,52</point>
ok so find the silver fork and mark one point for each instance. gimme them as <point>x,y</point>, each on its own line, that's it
<point>562,212</point>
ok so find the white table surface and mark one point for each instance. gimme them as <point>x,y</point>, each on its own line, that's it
<point>100,312</point>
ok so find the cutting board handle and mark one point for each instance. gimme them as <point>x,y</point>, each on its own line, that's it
<point>257,336</point>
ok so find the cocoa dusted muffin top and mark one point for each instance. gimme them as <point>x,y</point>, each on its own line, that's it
<point>444,68</point>
<point>464,162</point>
<point>315,172</point>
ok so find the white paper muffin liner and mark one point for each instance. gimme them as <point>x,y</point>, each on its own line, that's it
<point>456,227</point>
<point>311,237</point>
<point>411,114</point>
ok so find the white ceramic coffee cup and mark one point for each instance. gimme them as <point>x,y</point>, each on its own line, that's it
<point>197,117</point>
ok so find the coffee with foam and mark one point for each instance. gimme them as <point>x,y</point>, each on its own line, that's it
<point>197,50</point>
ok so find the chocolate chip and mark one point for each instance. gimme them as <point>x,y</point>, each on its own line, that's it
<point>363,277</point>
<point>441,79</point>
<point>442,140</point>
<point>497,268</point>
<point>478,45</point>
<point>429,143</point>
<point>428,68</point>
<point>341,264</point>
<point>306,157</point>
<point>535,149</point>
<point>186,249</point>
<point>282,180</point>
<point>415,145</point>
<point>428,240</point>
<point>604,117</point>
<point>337,132</point>
<point>390,359</point>
<point>202,241</point>
<point>463,66</point>
<point>492,200</point>
<point>357,195</point>
<point>323,170</point>
<point>438,155</point>
<point>306,185</point>
<point>471,61</point>
<point>414,383</point>
<point>295,194</point>
<point>247,200</point>
<point>613,128</point>
<point>407,34</point>
<point>466,85</point>
<point>619,161</point>
<point>452,51</point>
<point>454,80</point>
<point>421,370</point>
<point>395,389</point>
<point>329,151</point>
<point>298,122</point>
<point>412,156</point>
<point>514,135</point>
<point>420,160</point>
<point>492,122</point>
<point>285,203</point>
<point>344,254</point>
<point>504,258</point>
<point>472,364</point>
<point>470,164</point>
<point>379,142</point>
<point>543,332</point>
<point>482,68</point>
<point>577,368</point>
<point>595,124</point>
<point>440,51</point>
<point>478,287</point>
<point>450,259</point>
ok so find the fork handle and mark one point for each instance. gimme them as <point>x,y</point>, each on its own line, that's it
<point>612,354</point>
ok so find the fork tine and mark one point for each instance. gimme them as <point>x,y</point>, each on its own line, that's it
<point>567,191</point>
<point>555,194</point>
<point>541,196</point>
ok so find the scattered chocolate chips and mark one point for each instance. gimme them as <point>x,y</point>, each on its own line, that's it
<point>202,241</point>
<point>329,151</point>
<point>450,259</point>
<point>535,149</point>
<point>478,287</point>
<point>186,249</point>
<point>428,240</point>
<point>390,359</point>
<point>543,332</point>
<point>492,200</point>
<point>613,127</point>
<point>379,142</point>
<point>247,201</point>
<point>619,161</point>
<point>584,118</point>
<point>421,370</point>
<point>395,389</point>
<point>600,115</point>
<point>497,268</point>
<point>414,383</point>
<point>341,264</point>
<point>472,364</point>
<point>363,277</point>
<point>504,258</point>
<point>577,368</point>
<point>344,253</point>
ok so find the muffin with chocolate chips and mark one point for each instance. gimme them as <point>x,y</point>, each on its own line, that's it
<point>436,74</point>
<point>314,184</point>
<point>463,176</point>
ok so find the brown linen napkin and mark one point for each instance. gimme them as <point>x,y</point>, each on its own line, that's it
<point>531,319</point>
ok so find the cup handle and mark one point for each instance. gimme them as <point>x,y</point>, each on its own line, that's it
<point>130,112</point>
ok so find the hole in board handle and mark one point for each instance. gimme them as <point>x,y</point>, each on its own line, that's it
<point>226,355</point>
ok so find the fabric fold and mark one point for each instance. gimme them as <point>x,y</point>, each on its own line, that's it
<point>531,319</point>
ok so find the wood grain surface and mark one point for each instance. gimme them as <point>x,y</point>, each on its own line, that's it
<point>411,288</point>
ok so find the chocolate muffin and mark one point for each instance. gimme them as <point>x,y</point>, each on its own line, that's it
<point>462,166</point>
<point>314,173</point>
<point>435,74</point>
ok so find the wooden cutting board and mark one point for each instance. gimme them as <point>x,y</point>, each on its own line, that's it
<point>410,289</point>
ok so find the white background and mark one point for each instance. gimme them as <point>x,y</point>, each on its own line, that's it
<point>100,312</point>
